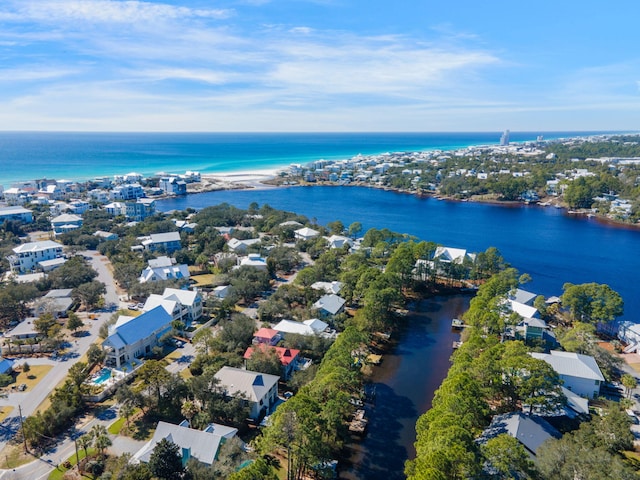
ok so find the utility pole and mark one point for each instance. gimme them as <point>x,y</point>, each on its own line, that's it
<point>24,437</point>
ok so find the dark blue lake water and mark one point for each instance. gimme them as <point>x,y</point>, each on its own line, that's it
<point>549,244</point>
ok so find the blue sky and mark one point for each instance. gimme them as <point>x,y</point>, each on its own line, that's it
<point>319,65</point>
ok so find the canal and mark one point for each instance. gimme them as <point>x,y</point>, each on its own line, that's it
<point>403,387</point>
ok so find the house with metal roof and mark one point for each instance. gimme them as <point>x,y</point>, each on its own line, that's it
<point>580,373</point>
<point>329,305</point>
<point>259,390</point>
<point>203,445</point>
<point>530,430</point>
<point>164,268</point>
<point>136,337</point>
<point>313,326</point>
<point>167,242</point>
<point>28,256</point>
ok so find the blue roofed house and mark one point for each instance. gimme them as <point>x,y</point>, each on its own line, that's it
<point>136,337</point>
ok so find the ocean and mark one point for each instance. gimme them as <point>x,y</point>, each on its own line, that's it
<point>83,156</point>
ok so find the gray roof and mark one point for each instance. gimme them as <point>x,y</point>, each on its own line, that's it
<point>530,431</point>
<point>523,296</point>
<point>571,364</point>
<point>37,246</point>
<point>165,237</point>
<point>253,385</point>
<point>330,303</point>
<point>59,293</point>
<point>200,444</point>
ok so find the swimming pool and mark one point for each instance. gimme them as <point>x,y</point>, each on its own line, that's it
<point>103,376</point>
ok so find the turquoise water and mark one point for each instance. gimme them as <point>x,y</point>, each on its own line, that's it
<point>105,374</point>
<point>82,156</point>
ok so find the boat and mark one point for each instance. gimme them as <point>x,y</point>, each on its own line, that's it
<point>457,323</point>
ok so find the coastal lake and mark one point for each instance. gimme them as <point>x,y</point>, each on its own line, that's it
<point>547,243</point>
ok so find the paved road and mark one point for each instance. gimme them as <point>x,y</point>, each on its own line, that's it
<point>30,400</point>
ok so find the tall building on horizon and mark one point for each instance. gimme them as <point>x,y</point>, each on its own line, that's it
<point>504,139</point>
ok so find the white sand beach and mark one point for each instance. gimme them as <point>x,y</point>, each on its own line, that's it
<point>237,179</point>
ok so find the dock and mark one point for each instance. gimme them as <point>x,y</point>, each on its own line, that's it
<point>359,423</point>
<point>457,324</point>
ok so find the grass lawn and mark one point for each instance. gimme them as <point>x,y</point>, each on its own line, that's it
<point>5,411</point>
<point>116,427</point>
<point>186,374</point>
<point>13,456</point>
<point>58,473</point>
<point>33,376</point>
<point>204,280</point>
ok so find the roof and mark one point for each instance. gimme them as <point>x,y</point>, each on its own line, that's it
<point>530,431</point>
<point>523,296</point>
<point>66,218</point>
<point>571,364</point>
<point>15,210</point>
<point>286,355</point>
<point>140,327</point>
<point>523,310</point>
<point>6,365</point>
<point>254,385</point>
<point>165,237</point>
<point>266,333</point>
<point>253,260</point>
<point>337,241</point>
<point>59,293</point>
<point>307,232</point>
<point>163,261</point>
<point>165,273</point>
<point>25,327</point>
<point>308,327</point>
<point>154,300</point>
<point>450,254</point>
<point>328,287</point>
<point>185,297</point>
<point>37,246</point>
<point>201,444</point>
<point>575,402</point>
<point>330,303</point>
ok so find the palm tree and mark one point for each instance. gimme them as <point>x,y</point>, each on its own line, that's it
<point>85,442</point>
<point>101,438</point>
<point>126,410</point>
<point>189,410</point>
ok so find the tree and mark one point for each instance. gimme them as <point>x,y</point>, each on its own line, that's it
<point>101,438</point>
<point>26,368</point>
<point>45,324</point>
<point>89,293</point>
<point>266,360</point>
<point>509,458</point>
<point>71,274</point>
<point>165,461</point>
<point>95,354</point>
<point>85,441</point>
<point>126,410</point>
<point>355,229</point>
<point>154,375</point>
<point>592,302</point>
<point>629,382</point>
<point>74,322</point>
<point>189,410</point>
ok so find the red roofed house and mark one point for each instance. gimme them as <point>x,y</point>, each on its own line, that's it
<point>267,336</point>
<point>288,357</point>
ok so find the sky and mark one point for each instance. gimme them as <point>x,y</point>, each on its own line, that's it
<point>319,65</point>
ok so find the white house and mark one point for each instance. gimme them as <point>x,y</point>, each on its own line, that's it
<point>183,305</point>
<point>166,242</point>
<point>222,291</point>
<point>259,390</point>
<point>308,327</point>
<point>241,246</point>
<point>254,260</point>
<point>28,255</point>
<point>65,223</point>
<point>338,241</point>
<point>580,373</point>
<point>452,255</point>
<point>128,191</point>
<point>136,337</point>
<point>328,287</point>
<point>203,445</point>
<point>16,213</point>
<point>164,268</point>
<point>305,233</point>
<point>173,186</point>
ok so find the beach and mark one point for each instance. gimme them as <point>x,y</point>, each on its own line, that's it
<point>234,180</point>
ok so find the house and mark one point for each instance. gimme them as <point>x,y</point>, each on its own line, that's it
<point>116,208</point>
<point>79,206</point>
<point>16,213</point>
<point>162,242</point>
<point>524,310</point>
<point>127,191</point>
<point>259,390</point>
<point>182,305</point>
<point>29,255</point>
<point>164,268</point>
<point>530,430</point>
<point>268,336</point>
<point>288,357</point>
<point>23,330</point>
<point>338,241</point>
<point>140,209</point>
<point>105,236</point>
<point>6,366</point>
<point>173,186</point>
<point>241,246</point>
<point>203,445</point>
<point>522,296</point>
<point>328,287</point>
<point>254,260</point>
<point>308,327</point>
<point>535,329</point>
<point>65,223</point>
<point>452,255</point>
<point>222,291</point>
<point>58,302</point>
<point>580,373</point>
<point>136,337</point>
<point>329,305</point>
<point>305,233</point>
